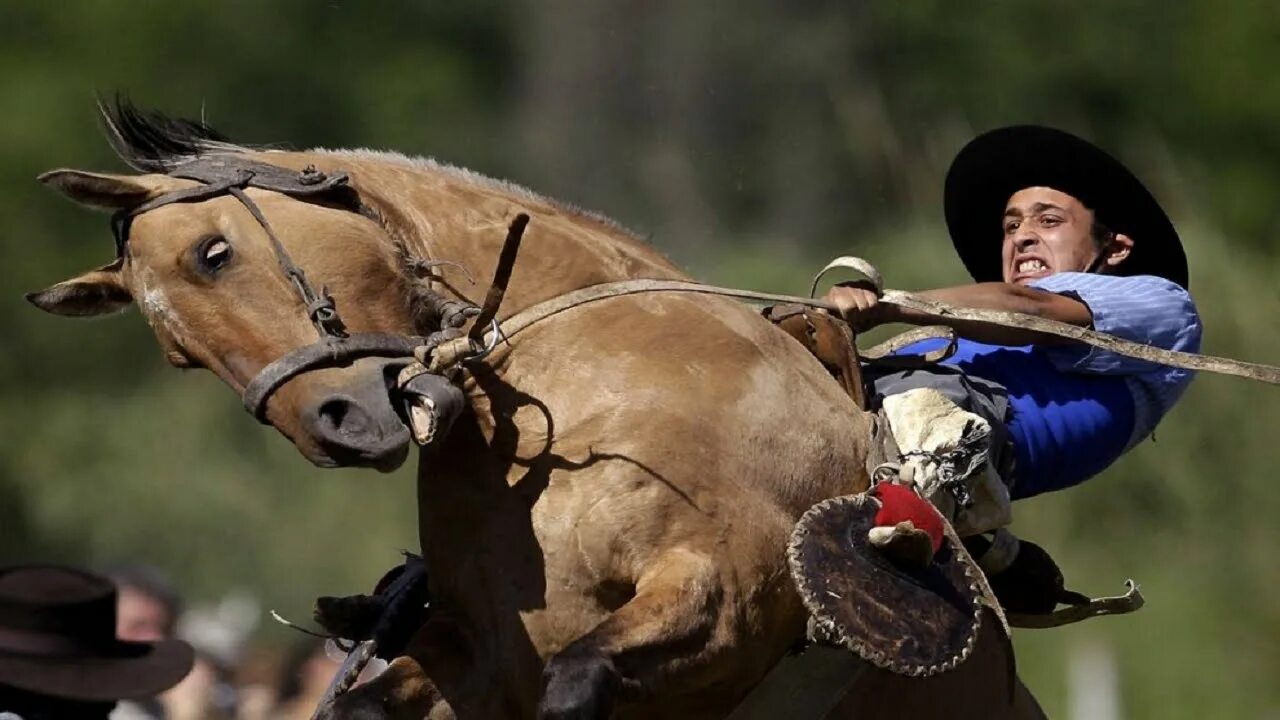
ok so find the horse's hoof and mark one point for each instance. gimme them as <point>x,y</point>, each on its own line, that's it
<point>578,684</point>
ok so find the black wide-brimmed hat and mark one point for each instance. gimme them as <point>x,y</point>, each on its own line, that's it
<point>58,638</point>
<point>996,164</point>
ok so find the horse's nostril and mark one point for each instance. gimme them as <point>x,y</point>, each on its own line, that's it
<point>357,427</point>
<point>334,411</point>
<point>344,416</point>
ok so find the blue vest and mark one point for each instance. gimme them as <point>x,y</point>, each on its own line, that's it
<point>1065,427</point>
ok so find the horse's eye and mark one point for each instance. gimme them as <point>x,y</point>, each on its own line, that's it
<point>213,254</point>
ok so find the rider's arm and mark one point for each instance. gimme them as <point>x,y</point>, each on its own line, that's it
<point>997,296</point>
<point>1139,308</point>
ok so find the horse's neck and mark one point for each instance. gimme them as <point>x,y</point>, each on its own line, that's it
<point>448,214</point>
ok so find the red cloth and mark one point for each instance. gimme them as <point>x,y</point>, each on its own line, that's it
<point>899,503</point>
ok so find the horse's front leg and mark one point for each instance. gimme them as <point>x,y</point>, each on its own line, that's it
<point>667,623</point>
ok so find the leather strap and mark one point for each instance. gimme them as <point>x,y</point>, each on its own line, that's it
<point>1189,361</point>
<point>805,685</point>
<point>501,276</point>
<point>330,352</point>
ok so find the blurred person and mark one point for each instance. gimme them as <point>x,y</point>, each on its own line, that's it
<point>1048,225</point>
<point>203,694</point>
<point>308,669</point>
<point>257,674</point>
<point>304,677</point>
<point>149,605</point>
<point>59,654</point>
<point>218,631</point>
<point>148,610</point>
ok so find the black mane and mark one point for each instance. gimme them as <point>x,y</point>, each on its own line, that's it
<point>150,141</point>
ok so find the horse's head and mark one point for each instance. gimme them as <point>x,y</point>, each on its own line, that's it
<point>209,283</point>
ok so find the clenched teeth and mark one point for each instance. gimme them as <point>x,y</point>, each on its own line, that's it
<point>1031,265</point>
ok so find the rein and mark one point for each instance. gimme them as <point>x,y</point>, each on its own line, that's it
<point>231,176</point>
<point>898,298</point>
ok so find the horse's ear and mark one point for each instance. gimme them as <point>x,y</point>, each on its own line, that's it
<point>99,190</point>
<point>96,292</point>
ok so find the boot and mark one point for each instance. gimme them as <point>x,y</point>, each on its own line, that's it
<point>1024,578</point>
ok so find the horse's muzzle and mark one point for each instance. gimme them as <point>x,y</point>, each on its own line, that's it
<point>357,426</point>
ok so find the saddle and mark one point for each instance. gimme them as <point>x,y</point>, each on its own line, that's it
<point>829,339</point>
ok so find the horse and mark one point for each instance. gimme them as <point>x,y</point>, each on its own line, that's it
<point>605,523</point>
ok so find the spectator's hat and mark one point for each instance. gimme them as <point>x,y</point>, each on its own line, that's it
<point>58,638</point>
<point>996,164</point>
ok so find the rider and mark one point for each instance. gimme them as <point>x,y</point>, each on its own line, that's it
<point>1084,243</point>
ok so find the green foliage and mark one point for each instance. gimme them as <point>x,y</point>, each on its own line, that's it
<point>749,141</point>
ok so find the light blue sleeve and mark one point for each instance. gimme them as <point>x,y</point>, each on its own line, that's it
<point>1142,308</point>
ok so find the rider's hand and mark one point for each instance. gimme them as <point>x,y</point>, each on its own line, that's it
<point>858,303</point>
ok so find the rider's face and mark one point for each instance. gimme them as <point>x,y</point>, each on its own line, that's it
<point>1046,232</point>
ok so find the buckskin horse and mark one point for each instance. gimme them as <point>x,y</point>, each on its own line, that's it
<point>605,524</point>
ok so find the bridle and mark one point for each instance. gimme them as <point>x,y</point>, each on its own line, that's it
<point>230,175</point>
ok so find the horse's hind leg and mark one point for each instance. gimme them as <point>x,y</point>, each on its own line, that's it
<point>671,616</point>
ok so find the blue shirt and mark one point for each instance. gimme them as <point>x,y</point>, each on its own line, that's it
<point>1076,408</point>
